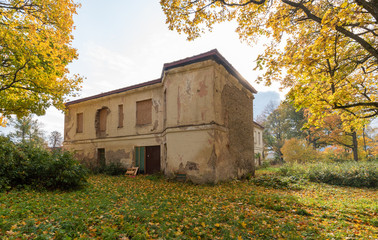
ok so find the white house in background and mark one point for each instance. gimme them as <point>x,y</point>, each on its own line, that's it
<point>259,143</point>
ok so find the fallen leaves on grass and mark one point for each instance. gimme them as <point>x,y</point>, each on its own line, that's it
<point>141,208</point>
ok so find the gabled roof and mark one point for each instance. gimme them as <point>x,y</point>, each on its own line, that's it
<point>210,55</point>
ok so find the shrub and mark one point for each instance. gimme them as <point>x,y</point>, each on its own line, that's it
<point>291,182</point>
<point>22,165</point>
<point>113,169</point>
<point>297,151</point>
<point>297,170</point>
<point>353,174</point>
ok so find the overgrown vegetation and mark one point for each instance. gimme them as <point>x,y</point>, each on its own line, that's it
<point>137,208</point>
<point>28,165</point>
<point>111,169</point>
<point>349,173</point>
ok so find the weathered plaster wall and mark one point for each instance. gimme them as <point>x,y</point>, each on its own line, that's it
<point>189,151</point>
<point>201,118</point>
<point>120,150</point>
<point>234,110</point>
<point>128,99</point>
<point>189,94</point>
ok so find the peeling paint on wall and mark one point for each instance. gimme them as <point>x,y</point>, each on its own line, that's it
<point>202,91</point>
<point>191,166</point>
<point>116,156</point>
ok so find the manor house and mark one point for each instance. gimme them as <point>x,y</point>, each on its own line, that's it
<point>196,120</point>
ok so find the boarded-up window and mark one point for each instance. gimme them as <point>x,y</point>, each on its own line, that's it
<point>79,122</point>
<point>120,115</point>
<point>103,115</point>
<point>144,112</point>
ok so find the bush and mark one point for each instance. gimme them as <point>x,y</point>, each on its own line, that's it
<point>297,170</point>
<point>113,169</point>
<point>353,174</point>
<point>22,165</point>
<point>298,151</point>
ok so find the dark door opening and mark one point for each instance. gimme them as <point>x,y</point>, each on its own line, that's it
<point>148,159</point>
<point>101,161</point>
<point>152,159</point>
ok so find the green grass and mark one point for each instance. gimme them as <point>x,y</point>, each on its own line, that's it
<point>143,207</point>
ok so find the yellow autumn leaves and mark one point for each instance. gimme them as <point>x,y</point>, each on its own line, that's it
<point>35,42</point>
<point>326,54</point>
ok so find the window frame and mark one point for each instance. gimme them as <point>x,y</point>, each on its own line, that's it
<point>143,107</point>
<point>79,122</point>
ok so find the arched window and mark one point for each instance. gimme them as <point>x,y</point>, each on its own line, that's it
<point>100,122</point>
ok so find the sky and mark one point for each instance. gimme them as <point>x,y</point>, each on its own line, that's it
<point>122,43</point>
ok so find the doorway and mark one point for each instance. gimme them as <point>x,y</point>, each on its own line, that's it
<point>147,158</point>
<point>101,161</point>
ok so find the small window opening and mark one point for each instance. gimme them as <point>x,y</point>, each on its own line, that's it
<point>79,122</point>
<point>120,116</point>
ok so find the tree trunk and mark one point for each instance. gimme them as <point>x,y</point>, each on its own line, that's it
<point>355,146</point>
<point>363,135</point>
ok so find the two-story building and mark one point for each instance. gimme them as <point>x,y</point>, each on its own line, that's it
<point>196,119</point>
<point>258,143</point>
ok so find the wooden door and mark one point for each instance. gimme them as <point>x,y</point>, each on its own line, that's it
<point>152,159</point>
<point>140,156</point>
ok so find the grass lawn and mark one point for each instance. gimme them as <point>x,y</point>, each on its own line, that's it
<point>147,207</point>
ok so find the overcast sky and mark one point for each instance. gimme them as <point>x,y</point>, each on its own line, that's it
<point>122,43</point>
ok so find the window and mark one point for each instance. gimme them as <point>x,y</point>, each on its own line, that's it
<point>79,122</point>
<point>259,139</point>
<point>144,112</point>
<point>120,116</point>
<point>103,115</point>
<point>254,137</point>
<point>101,121</point>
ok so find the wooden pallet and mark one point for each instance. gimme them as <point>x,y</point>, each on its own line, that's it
<point>132,171</point>
<point>181,177</point>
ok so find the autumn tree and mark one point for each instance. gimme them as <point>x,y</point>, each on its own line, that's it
<point>55,139</point>
<point>297,150</point>
<point>326,52</point>
<point>283,124</point>
<point>35,43</point>
<point>332,133</point>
